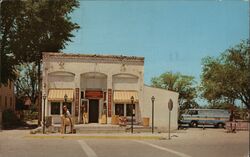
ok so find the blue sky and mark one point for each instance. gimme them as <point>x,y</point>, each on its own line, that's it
<point>171,35</point>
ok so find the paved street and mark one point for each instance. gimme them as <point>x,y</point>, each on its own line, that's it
<point>186,143</point>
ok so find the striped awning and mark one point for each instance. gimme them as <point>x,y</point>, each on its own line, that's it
<point>125,96</point>
<point>58,94</point>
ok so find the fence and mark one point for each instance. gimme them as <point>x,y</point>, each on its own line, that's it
<point>237,125</point>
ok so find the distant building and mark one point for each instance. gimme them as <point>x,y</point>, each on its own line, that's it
<point>27,101</point>
<point>103,85</point>
<point>7,98</point>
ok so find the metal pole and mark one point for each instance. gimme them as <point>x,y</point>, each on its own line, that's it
<point>170,107</point>
<point>132,106</point>
<point>169,125</point>
<point>152,116</point>
<point>132,123</point>
<point>0,46</point>
<point>0,66</point>
<point>44,115</point>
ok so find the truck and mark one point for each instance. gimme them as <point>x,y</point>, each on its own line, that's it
<point>215,117</point>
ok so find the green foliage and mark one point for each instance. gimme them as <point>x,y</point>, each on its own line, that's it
<point>183,84</point>
<point>30,27</point>
<point>222,105</point>
<point>10,119</point>
<point>27,83</point>
<point>227,78</point>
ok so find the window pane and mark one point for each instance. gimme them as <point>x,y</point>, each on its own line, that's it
<point>82,95</point>
<point>195,112</point>
<point>84,106</point>
<point>119,109</point>
<point>55,108</point>
<point>68,104</point>
<point>129,109</point>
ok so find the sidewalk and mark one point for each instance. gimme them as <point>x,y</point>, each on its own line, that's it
<point>191,134</point>
<point>97,128</point>
<point>146,136</point>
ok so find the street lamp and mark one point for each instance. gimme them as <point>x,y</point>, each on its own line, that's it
<point>44,98</point>
<point>132,102</point>
<point>153,100</point>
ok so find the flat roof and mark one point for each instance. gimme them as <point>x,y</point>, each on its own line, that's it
<point>69,55</point>
<point>102,58</point>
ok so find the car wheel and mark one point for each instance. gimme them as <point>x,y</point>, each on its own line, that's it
<point>220,125</point>
<point>194,124</point>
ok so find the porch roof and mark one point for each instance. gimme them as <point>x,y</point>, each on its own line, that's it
<point>125,96</point>
<point>58,94</point>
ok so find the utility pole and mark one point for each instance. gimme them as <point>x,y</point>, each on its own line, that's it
<point>1,44</point>
<point>0,64</point>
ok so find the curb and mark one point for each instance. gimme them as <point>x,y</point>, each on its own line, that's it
<point>136,137</point>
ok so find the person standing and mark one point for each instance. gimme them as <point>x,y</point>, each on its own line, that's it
<point>67,115</point>
<point>85,115</point>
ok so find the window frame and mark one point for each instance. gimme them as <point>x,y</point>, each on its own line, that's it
<point>121,112</point>
<point>51,104</point>
<point>128,111</point>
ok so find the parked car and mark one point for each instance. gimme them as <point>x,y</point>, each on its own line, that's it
<point>195,117</point>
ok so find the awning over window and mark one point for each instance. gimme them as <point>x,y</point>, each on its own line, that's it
<point>58,94</point>
<point>125,96</point>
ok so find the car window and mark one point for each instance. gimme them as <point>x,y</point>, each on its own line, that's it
<point>193,112</point>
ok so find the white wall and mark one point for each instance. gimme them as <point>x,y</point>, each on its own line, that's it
<point>125,83</point>
<point>161,111</point>
<point>64,80</point>
<point>94,83</point>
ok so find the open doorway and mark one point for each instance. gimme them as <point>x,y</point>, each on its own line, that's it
<point>93,110</point>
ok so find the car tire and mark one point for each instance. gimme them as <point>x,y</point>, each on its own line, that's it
<point>194,124</point>
<point>220,125</point>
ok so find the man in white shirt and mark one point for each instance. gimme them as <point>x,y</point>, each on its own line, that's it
<point>66,114</point>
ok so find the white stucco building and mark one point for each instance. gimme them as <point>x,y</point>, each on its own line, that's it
<point>104,84</point>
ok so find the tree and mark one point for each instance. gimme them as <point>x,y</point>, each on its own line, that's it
<point>183,84</point>
<point>31,27</point>
<point>227,78</point>
<point>26,83</point>
<point>7,59</point>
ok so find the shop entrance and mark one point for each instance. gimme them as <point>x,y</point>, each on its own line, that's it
<point>93,110</point>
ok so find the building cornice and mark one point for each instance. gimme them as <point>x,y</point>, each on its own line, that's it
<point>92,58</point>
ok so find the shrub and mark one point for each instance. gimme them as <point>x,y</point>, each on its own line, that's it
<point>10,119</point>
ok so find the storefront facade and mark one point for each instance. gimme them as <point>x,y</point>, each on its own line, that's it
<point>101,85</point>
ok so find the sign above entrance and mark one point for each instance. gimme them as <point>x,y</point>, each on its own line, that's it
<point>94,94</point>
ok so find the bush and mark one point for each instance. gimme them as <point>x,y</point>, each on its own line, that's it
<point>10,119</point>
